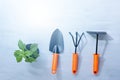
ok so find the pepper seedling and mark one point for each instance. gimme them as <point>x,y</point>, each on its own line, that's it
<point>29,52</point>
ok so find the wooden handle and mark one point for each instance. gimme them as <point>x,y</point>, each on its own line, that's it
<point>95,63</point>
<point>55,63</point>
<point>74,63</point>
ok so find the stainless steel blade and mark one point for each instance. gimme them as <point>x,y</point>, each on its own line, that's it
<point>56,42</point>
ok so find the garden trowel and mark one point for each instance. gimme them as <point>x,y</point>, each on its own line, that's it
<point>56,47</point>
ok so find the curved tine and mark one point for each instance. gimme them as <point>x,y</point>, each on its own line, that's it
<point>80,38</point>
<point>72,38</point>
<point>76,39</point>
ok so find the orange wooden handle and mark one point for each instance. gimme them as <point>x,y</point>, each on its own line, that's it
<point>74,63</point>
<point>95,63</point>
<point>55,63</point>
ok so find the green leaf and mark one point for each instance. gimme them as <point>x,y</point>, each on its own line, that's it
<point>21,45</point>
<point>35,55</point>
<point>33,47</point>
<point>28,53</point>
<point>18,54</point>
<point>19,59</point>
<point>30,59</point>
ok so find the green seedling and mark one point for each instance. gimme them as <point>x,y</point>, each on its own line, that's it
<point>29,52</point>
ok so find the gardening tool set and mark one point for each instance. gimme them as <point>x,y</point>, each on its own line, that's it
<point>31,52</point>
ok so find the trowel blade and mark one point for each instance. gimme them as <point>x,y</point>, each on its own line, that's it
<point>56,42</point>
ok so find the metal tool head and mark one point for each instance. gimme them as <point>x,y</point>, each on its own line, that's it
<point>101,35</point>
<point>76,40</point>
<point>56,42</point>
